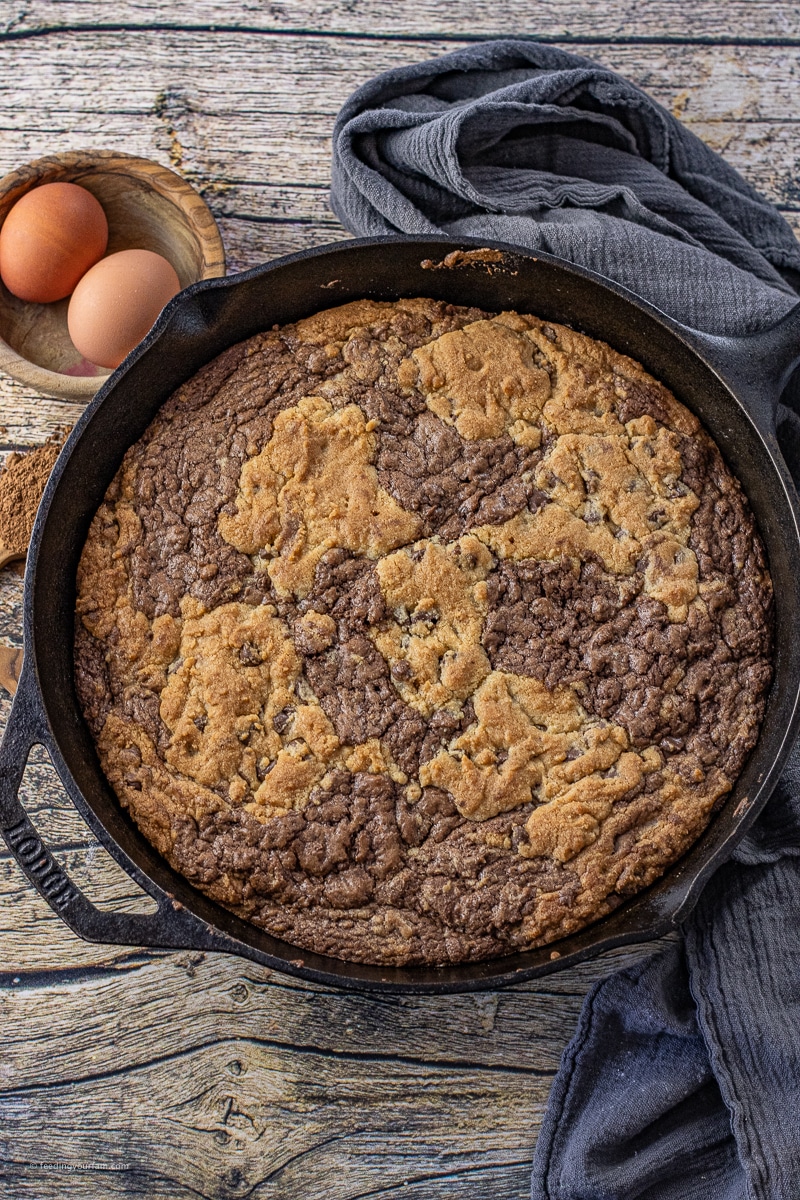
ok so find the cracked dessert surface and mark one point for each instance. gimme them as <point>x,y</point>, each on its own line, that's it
<point>415,634</point>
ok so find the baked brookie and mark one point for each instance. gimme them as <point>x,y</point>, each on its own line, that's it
<point>415,634</point>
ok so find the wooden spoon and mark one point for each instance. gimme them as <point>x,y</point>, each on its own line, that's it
<point>10,667</point>
<point>9,554</point>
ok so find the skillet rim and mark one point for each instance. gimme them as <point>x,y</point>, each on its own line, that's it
<point>468,976</point>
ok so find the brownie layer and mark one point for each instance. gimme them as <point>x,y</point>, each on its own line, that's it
<point>417,635</point>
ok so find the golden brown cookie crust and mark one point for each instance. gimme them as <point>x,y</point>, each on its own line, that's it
<point>414,634</point>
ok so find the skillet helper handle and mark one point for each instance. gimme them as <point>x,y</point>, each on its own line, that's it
<point>170,927</point>
<point>757,368</point>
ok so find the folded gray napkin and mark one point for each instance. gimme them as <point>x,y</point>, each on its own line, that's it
<point>683,1078</point>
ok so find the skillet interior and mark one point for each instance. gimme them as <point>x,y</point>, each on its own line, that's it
<point>213,315</point>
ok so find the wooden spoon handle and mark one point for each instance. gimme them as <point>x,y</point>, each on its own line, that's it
<point>10,667</point>
<point>7,556</point>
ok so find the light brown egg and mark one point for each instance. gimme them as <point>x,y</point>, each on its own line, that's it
<point>116,303</point>
<point>50,238</point>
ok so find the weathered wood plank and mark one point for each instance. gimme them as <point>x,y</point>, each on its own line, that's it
<point>259,151</point>
<point>221,996</point>
<point>180,1075</point>
<point>28,419</point>
<point>300,77</point>
<point>234,1118</point>
<point>658,20</point>
<point>10,618</point>
<point>296,1085</point>
<point>248,243</point>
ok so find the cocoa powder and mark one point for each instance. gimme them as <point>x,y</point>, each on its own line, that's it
<point>22,482</point>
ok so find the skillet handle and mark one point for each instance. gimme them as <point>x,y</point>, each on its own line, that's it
<point>756,368</point>
<point>170,927</point>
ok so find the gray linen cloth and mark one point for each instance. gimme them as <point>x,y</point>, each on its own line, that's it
<point>683,1078</point>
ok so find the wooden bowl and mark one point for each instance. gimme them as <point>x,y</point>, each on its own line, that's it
<point>148,207</point>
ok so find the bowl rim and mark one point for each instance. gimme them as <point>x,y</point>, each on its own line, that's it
<point>69,166</point>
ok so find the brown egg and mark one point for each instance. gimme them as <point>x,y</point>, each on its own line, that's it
<point>49,239</point>
<point>116,303</point>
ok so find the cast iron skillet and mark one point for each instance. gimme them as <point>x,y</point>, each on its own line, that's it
<point>732,385</point>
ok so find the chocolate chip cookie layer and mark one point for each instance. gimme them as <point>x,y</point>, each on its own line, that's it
<point>414,634</point>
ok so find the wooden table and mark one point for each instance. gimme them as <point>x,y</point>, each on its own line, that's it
<point>173,1076</point>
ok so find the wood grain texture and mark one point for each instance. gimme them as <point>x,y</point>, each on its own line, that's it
<point>252,1083</point>
<point>714,21</point>
<point>10,656</point>
<point>173,1076</point>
